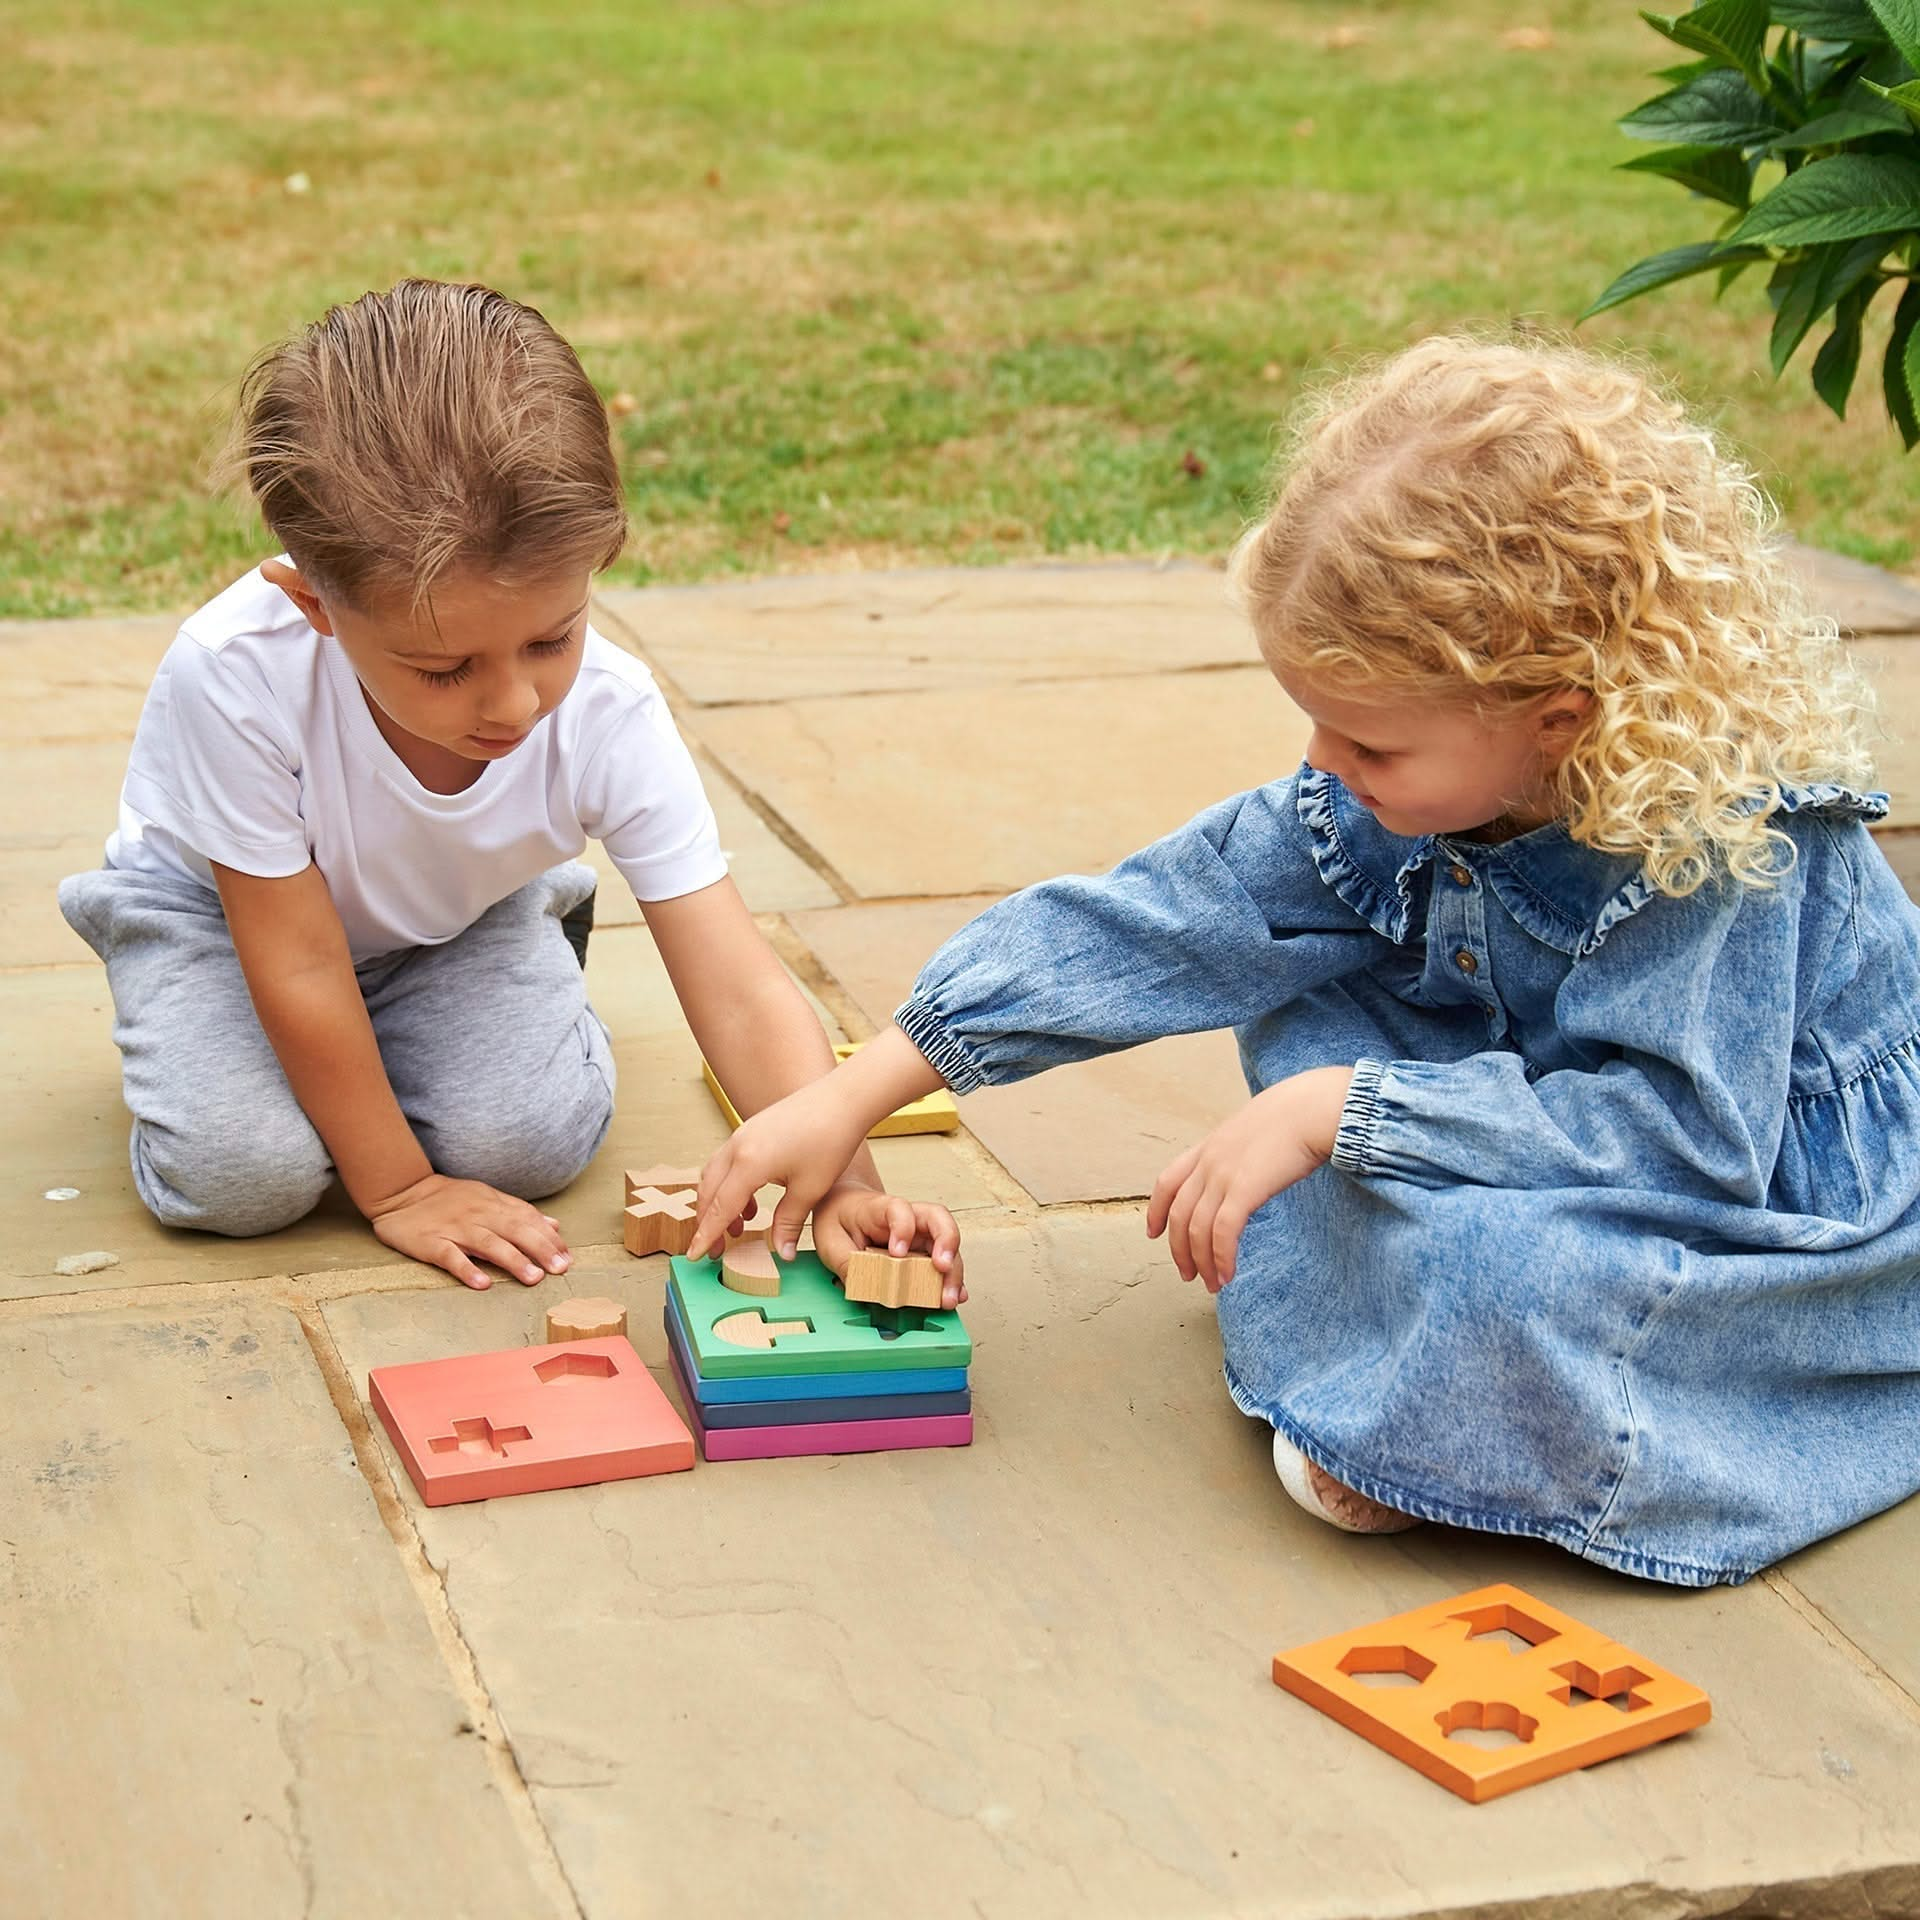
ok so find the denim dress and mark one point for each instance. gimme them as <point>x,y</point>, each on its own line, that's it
<point>1619,1246</point>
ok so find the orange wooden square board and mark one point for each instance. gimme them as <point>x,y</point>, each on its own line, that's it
<point>1468,1680</point>
<point>528,1419</point>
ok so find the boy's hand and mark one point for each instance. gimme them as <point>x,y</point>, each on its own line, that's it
<point>802,1143</point>
<point>452,1223</point>
<point>1203,1201</point>
<point>850,1217</point>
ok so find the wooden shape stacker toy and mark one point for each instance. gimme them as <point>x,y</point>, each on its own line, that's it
<point>1494,1659</point>
<point>804,1369</point>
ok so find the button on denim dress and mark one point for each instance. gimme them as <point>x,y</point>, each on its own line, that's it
<point>1620,1242</point>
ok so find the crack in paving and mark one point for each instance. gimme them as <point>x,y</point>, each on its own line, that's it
<point>429,1586</point>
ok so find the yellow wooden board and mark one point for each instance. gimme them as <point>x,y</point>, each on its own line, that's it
<point>932,1113</point>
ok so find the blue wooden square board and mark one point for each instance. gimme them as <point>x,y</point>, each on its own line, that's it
<point>857,1405</point>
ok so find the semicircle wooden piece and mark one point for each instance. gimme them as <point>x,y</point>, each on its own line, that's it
<point>748,1266</point>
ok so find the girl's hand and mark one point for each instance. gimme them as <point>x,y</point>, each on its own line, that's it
<point>451,1223</point>
<point>801,1143</point>
<point>850,1217</point>
<point>1203,1201</point>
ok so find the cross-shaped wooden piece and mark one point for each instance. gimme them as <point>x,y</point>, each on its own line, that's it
<point>666,1179</point>
<point>660,1222</point>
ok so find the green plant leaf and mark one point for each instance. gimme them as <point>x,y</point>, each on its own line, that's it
<point>1896,375</point>
<point>1839,357</point>
<point>1729,274</point>
<point>1714,171</point>
<point>1731,31</point>
<point>1905,96</point>
<point>1718,109</point>
<point>1819,282</point>
<point>1843,198</point>
<point>1836,128</point>
<point>1661,269</point>
<point>1819,63</point>
<point>1901,19</point>
<point>1828,19</point>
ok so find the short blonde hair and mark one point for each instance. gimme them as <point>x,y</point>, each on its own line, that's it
<point>1491,521</point>
<point>429,430</point>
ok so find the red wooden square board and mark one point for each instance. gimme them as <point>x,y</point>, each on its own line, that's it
<point>528,1419</point>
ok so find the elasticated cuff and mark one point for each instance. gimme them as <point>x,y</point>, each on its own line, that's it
<point>946,1054</point>
<point>1353,1142</point>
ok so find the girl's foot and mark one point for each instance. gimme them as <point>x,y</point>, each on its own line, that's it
<point>1314,1488</point>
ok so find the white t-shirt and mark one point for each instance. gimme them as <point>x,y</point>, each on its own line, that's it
<point>256,749</point>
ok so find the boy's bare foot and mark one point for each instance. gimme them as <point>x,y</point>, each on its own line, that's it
<point>1314,1488</point>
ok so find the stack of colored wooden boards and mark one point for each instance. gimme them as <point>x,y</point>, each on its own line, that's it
<point>808,1371</point>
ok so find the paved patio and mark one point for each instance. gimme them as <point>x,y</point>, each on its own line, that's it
<point>244,1671</point>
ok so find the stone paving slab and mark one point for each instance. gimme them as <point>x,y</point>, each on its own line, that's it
<point>974,790</point>
<point>1101,1130</point>
<point>1894,667</point>
<point>1031,1677</point>
<point>57,806</point>
<point>1863,598</point>
<point>1864,1582</point>
<point>808,635</point>
<point>220,1696</point>
<point>64,1126</point>
<point>70,680</point>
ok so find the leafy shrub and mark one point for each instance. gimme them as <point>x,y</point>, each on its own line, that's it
<point>1835,102</point>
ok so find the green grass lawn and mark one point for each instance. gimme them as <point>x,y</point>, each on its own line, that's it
<point>887,281</point>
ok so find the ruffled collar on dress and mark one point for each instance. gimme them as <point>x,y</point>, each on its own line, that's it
<point>1569,896</point>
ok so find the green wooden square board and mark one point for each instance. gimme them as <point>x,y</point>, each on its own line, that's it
<point>841,1336</point>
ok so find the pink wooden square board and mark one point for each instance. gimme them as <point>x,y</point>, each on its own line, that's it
<point>527,1419</point>
<point>824,1436</point>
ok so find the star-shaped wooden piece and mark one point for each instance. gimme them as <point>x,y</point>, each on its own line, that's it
<point>911,1280</point>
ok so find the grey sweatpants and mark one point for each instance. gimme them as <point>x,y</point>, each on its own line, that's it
<point>499,1064</point>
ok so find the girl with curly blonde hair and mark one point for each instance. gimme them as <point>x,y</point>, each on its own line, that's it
<point>1579,1192</point>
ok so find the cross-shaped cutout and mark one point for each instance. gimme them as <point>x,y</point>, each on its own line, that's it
<point>477,1436</point>
<point>1586,1687</point>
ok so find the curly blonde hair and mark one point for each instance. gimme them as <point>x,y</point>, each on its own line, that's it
<point>1495,521</point>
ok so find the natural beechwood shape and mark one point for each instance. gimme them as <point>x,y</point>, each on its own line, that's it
<point>660,1222</point>
<point>1495,1659</point>
<point>876,1276</point>
<point>595,1319</point>
<point>749,1265</point>
<point>666,1179</point>
<point>755,1330</point>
